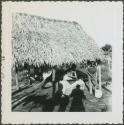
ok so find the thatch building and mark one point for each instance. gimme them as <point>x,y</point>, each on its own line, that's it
<point>38,41</point>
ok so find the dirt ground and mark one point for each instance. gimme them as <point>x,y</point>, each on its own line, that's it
<point>32,99</point>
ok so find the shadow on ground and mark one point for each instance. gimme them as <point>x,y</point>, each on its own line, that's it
<point>46,104</point>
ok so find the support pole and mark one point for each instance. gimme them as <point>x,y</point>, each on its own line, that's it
<point>96,73</point>
<point>16,78</point>
<point>53,81</point>
<point>29,75</point>
<point>53,75</point>
<point>99,68</point>
<point>90,85</point>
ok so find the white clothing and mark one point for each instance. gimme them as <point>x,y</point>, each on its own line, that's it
<point>67,87</point>
<point>45,75</point>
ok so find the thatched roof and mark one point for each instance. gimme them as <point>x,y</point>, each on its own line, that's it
<point>37,40</point>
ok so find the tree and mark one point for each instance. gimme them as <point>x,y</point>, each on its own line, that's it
<point>107,48</point>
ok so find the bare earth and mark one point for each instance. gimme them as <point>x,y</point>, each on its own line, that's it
<point>30,100</point>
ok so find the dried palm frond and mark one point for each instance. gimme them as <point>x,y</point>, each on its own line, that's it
<point>37,40</point>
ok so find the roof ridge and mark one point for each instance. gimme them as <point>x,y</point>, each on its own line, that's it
<point>48,19</point>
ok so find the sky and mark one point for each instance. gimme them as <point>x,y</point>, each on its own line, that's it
<point>101,20</point>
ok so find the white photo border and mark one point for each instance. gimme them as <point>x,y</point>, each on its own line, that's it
<point>9,117</point>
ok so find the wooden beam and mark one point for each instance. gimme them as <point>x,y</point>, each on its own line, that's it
<point>53,81</point>
<point>16,78</point>
<point>90,85</point>
<point>96,74</point>
<point>53,75</point>
<point>17,83</point>
<point>99,69</point>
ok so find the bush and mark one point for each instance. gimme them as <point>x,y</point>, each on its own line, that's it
<point>105,74</point>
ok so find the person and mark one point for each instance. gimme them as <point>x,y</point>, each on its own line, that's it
<point>58,94</point>
<point>72,72</point>
<point>63,103</point>
<point>47,80</point>
<point>77,103</point>
<point>60,98</point>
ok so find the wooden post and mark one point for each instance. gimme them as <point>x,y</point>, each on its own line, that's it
<point>29,74</point>
<point>90,85</point>
<point>53,75</point>
<point>99,69</point>
<point>53,81</point>
<point>96,77</point>
<point>16,78</point>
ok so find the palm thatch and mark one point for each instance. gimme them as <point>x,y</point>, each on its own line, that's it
<point>37,40</point>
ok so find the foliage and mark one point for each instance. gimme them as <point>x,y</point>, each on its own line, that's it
<point>105,73</point>
<point>107,47</point>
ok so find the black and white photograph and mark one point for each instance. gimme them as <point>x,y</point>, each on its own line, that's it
<point>62,57</point>
<point>57,66</point>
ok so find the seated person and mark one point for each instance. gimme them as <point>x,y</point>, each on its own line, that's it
<point>69,85</point>
<point>47,80</point>
<point>71,73</point>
